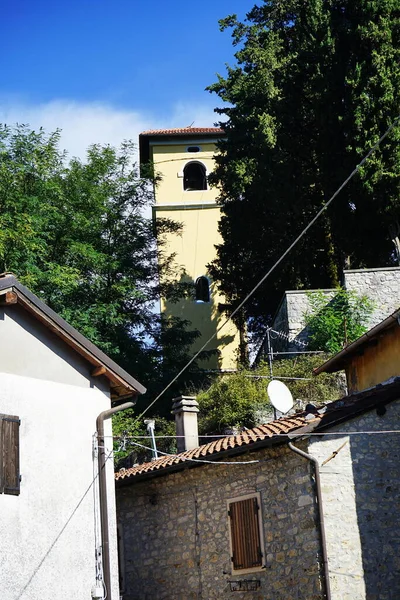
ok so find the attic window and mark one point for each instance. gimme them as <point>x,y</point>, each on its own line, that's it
<point>202,289</point>
<point>9,455</point>
<point>193,149</point>
<point>194,177</point>
<point>246,539</point>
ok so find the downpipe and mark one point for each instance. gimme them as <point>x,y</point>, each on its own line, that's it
<point>104,525</point>
<point>320,514</point>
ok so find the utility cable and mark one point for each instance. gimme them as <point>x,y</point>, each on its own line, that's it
<point>197,460</point>
<point>64,527</point>
<point>278,262</point>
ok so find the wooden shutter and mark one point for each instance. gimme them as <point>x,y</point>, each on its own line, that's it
<point>245,534</point>
<point>9,455</point>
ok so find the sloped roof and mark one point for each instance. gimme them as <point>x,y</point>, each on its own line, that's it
<point>276,432</point>
<point>339,360</point>
<point>122,384</point>
<point>184,131</point>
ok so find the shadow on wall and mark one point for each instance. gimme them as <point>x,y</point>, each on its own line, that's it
<point>376,473</point>
<point>202,316</point>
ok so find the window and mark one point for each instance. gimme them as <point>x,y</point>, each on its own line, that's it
<point>194,177</point>
<point>202,289</point>
<point>246,533</point>
<point>193,149</point>
<point>9,455</point>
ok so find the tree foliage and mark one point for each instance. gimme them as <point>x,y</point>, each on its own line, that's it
<point>314,86</point>
<point>240,399</point>
<point>75,233</point>
<point>335,324</point>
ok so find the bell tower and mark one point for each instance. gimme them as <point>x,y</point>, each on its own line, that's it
<point>184,158</point>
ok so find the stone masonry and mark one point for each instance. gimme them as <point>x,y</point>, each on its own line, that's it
<point>381,285</point>
<point>361,500</point>
<point>175,531</point>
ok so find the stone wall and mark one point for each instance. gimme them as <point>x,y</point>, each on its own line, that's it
<point>361,500</point>
<point>381,285</point>
<point>175,531</point>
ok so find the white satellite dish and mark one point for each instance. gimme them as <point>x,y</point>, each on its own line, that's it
<point>280,396</point>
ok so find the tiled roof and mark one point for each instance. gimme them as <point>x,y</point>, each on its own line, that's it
<point>245,438</point>
<point>278,431</point>
<point>183,131</point>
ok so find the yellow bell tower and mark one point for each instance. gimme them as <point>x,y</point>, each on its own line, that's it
<point>184,158</point>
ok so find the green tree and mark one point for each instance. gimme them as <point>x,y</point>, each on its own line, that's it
<point>314,86</point>
<point>240,399</point>
<point>75,234</point>
<point>335,324</point>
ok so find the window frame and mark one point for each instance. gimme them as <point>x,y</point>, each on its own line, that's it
<point>198,301</point>
<point>10,478</point>
<point>182,174</point>
<point>258,568</point>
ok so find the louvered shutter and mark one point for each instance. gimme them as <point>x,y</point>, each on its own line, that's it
<point>245,534</point>
<point>9,455</point>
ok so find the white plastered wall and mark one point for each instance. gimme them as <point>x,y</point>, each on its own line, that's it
<point>56,465</point>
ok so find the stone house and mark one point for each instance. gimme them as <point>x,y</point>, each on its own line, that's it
<point>381,285</point>
<point>54,385</point>
<point>304,507</point>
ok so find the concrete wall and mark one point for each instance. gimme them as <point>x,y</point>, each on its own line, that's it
<point>194,247</point>
<point>361,500</point>
<point>38,559</point>
<point>175,531</point>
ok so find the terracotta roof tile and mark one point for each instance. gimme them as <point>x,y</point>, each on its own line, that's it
<point>245,438</point>
<point>332,413</point>
<point>183,131</point>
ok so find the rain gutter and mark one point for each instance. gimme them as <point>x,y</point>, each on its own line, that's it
<point>104,525</point>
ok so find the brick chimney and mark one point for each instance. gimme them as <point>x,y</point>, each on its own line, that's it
<point>185,409</point>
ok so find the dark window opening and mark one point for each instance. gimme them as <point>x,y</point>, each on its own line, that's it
<point>202,289</point>
<point>245,534</point>
<point>193,149</point>
<point>9,455</point>
<point>194,177</point>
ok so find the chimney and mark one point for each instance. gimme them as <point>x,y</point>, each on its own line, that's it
<point>185,409</point>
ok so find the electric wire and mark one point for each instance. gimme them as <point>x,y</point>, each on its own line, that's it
<point>276,264</point>
<point>64,527</point>
<point>274,435</point>
<point>197,460</point>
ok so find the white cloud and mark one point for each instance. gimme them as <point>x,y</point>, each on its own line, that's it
<point>83,124</point>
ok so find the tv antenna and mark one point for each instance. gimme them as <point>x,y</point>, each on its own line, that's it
<point>280,396</point>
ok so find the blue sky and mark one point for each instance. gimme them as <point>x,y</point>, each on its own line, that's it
<point>104,70</point>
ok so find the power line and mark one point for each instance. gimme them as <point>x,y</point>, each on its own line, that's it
<point>274,435</point>
<point>198,460</point>
<point>61,531</point>
<point>277,263</point>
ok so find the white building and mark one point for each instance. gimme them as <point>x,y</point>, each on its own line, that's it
<point>53,386</point>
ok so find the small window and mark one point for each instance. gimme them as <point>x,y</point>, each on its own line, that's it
<point>246,533</point>
<point>202,289</point>
<point>194,177</point>
<point>9,455</point>
<point>193,149</point>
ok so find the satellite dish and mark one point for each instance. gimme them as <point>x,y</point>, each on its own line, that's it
<point>280,396</point>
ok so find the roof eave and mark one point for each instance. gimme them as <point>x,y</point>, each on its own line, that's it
<point>338,362</point>
<point>123,384</point>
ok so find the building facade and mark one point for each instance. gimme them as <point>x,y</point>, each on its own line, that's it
<point>240,517</point>
<point>54,384</point>
<point>183,159</point>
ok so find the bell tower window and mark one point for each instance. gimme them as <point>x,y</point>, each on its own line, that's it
<point>194,177</point>
<point>202,289</point>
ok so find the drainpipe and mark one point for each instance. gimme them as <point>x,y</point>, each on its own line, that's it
<point>321,515</point>
<point>106,414</point>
